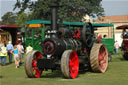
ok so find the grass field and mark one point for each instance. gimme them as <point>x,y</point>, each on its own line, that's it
<point>117,74</point>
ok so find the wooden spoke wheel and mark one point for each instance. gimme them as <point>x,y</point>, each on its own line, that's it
<point>70,64</point>
<point>99,58</point>
<point>30,64</point>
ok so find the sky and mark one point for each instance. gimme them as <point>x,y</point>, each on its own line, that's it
<point>111,7</point>
<point>115,7</point>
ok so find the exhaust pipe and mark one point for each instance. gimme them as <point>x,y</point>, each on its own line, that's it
<point>54,17</point>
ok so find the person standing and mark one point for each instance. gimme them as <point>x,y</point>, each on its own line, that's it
<point>29,48</point>
<point>105,36</point>
<point>16,56</point>
<point>99,39</point>
<point>116,45</point>
<point>10,50</point>
<point>20,51</point>
<point>3,54</point>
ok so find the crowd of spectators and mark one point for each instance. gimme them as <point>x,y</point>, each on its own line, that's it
<point>11,52</point>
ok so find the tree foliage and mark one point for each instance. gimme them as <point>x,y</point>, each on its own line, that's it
<point>9,18</point>
<point>21,19</point>
<point>14,18</point>
<point>70,10</point>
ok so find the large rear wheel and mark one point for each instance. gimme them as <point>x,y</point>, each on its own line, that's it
<point>70,64</point>
<point>99,58</point>
<point>30,64</point>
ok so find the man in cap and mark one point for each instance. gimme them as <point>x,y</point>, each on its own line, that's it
<point>10,50</point>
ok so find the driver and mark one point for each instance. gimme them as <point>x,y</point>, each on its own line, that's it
<point>125,33</point>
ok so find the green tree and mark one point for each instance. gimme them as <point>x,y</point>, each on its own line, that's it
<point>1,22</point>
<point>9,18</point>
<point>70,10</point>
<point>21,19</point>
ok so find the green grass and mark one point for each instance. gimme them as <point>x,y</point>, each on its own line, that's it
<point>117,74</point>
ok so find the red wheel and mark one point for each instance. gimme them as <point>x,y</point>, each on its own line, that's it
<point>31,64</point>
<point>99,58</point>
<point>35,70</point>
<point>70,64</point>
<point>103,59</point>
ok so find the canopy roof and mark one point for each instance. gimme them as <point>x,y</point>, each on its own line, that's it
<point>122,27</point>
<point>76,24</point>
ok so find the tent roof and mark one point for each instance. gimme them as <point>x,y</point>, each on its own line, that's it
<point>8,26</point>
<point>122,27</point>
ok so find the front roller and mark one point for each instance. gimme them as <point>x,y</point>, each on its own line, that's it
<point>70,64</point>
<point>99,58</point>
<point>30,64</point>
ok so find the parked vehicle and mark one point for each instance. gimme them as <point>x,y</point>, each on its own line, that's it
<point>125,40</point>
<point>8,33</point>
<point>70,46</point>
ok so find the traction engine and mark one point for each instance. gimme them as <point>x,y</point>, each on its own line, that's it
<point>125,41</point>
<point>70,50</point>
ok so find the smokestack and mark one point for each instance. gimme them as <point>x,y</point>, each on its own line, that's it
<point>54,17</point>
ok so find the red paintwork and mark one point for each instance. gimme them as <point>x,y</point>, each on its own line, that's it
<point>125,43</point>
<point>36,72</point>
<point>73,64</point>
<point>103,59</point>
<point>52,47</point>
<point>8,26</point>
<point>99,39</point>
<point>76,34</point>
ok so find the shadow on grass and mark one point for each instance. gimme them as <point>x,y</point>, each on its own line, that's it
<point>122,59</point>
<point>54,74</point>
<point>58,74</point>
<point>8,63</point>
<point>117,57</point>
<point>1,77</point>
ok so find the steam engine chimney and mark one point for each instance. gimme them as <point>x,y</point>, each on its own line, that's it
<point>54,17</point>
